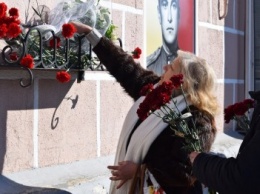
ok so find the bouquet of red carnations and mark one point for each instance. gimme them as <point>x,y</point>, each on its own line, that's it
<point>159,98</point>
<point>239,112</point>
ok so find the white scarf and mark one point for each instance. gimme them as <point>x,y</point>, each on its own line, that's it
<point>141,140</point>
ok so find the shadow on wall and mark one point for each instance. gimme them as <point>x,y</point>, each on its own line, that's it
<point>8,186</point>
<point>16,105</point>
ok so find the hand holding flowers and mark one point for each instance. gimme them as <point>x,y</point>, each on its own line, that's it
<point>240,113</point>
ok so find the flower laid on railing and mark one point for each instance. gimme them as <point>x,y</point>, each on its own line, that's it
<point>27,61</point>
<point>240,112</point>
<point>68,30</point>
<point>136,53</point>
<point>52,42</point>
<point>161,98</point>
<point>49,39</point>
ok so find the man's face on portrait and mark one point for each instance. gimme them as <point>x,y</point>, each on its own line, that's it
<point>168,12</point>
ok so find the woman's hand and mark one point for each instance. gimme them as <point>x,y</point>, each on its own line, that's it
<point>82,28</point>
<point>124,171</point>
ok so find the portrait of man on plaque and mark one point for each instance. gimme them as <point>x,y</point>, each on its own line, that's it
<point>169,27</point>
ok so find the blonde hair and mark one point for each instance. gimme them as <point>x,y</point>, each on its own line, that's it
<point>199,82</point>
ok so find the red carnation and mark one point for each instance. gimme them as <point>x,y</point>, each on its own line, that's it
<point>155,98</point>
<point>14,30</point>
<point>229,113</point>
<point>249,103</point>
<point>52,41</point>
<point>146,89</point>
<point>162,95</point>
<point>27,61</point>
<point>63,76</point>
<point>9,20</point>
<point>240,108</point>
<point>13,56</point>
<point>3,9</point>
<point>165,98</point>
<point>3,30</point>
<point>68,30</point>
<point>143,111</point>
<point>166,87</point>
<point>177,80</point>
<point>14,12</point>
<point>137,53</point>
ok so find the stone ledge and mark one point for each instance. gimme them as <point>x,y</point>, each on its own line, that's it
<point>90,176</point>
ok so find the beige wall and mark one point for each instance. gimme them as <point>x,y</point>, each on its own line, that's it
<point>50,123</point>
<point>222,44</point>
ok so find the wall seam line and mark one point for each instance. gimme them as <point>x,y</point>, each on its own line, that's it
<point>35,123</point>
<point>98,118</point>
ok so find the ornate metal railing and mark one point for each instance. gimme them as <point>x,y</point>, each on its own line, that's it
<point>73,53</point>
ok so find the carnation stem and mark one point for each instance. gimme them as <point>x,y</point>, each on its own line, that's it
<point>188,108</point>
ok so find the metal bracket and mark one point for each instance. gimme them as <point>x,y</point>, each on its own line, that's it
<point>220,17</point>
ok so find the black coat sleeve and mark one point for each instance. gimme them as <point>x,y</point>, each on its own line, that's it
<point>130,74</point>
<point>232,175</point>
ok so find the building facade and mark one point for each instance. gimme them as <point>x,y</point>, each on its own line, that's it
<point>50,123</point>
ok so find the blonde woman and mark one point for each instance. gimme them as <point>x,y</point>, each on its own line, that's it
<point>151,142</point>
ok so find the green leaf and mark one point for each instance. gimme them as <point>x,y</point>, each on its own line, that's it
<point>110,33</point>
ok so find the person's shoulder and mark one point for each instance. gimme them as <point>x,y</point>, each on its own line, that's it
<point>153,57</point>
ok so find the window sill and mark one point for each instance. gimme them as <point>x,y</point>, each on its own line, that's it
<point>26,76</point>
<point>13,73</point>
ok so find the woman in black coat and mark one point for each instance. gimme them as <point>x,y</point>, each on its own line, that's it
<point>240,175</point>
<point>152,141</point>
